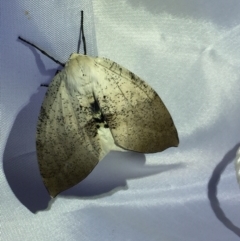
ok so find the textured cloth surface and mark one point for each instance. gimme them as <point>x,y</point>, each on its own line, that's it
<point>189,52</point>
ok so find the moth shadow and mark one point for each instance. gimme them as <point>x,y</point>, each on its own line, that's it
<point>112,173</point>
<point>212,189</point>
<point>19,159</point>
<point>40,63</point>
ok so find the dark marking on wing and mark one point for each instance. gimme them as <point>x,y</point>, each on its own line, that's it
<point>98,116</point>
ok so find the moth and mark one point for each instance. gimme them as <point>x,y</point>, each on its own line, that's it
<point>92,106</point>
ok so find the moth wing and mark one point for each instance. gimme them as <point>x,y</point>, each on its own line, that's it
<point>137,117</point>
<point>68,147</point>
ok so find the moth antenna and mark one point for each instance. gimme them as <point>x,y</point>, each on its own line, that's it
<point>42,51</point>
<point>82,36</point>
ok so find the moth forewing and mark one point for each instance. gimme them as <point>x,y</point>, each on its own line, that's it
<point>137,117</point>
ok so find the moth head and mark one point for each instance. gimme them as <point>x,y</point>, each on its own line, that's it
<point>74,56</point>
<point>78,60</point>
<point>77,69</point>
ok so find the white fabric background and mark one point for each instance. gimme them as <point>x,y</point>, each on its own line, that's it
<point>189,52</point>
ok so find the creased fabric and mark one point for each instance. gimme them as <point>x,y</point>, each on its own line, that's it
<point>189,52</point>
